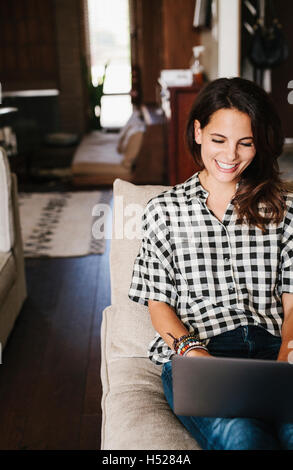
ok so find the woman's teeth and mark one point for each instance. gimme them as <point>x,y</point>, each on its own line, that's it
<point>225,166</point>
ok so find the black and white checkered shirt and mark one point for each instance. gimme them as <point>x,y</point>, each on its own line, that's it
<point>216,275</point>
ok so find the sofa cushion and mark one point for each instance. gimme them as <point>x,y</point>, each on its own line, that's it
<point>136,407</point>
<point>130,139</point>
<point>134,122</point>
<point>7,274</point>
<point>133,399</point>
<point>133,329</point>
<point>134,144</point>
<point>6,215</point>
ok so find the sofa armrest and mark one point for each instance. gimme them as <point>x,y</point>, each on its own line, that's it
<point>105,349</point>
<point>18,244</point>
<point>16,294</point>
<point>7,226</point>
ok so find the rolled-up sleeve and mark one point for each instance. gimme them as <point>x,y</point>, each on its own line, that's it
<point>152,277</point>
<point>286,269</point>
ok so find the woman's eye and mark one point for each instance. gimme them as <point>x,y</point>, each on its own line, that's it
<point>218,141</point>
<point>244,144</point>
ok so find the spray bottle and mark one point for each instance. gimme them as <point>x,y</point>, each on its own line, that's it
<point>196,67</point>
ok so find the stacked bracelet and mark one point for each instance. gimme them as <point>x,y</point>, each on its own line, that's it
<point>186,346</point>
<point>177,341</point>
<point>186,343</point>
<point>198,346</point>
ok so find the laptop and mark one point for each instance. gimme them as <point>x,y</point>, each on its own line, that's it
<point>228,387</point>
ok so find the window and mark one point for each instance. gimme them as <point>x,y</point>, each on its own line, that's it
<point>110,43</point>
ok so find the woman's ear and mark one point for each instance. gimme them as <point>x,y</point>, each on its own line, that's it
<point>197,131</point>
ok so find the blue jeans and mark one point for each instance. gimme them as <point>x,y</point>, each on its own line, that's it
<point>236,433</point>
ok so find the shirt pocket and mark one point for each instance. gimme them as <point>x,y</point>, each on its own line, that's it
<point>190,267</point>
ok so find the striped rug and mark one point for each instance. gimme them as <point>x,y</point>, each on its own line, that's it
<point>61,224</point>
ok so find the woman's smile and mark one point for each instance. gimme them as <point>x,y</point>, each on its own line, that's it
<point>226,167</point>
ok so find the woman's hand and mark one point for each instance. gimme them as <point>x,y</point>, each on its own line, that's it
<point>198,353</point>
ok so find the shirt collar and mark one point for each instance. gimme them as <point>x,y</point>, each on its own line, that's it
<point>194,189</point>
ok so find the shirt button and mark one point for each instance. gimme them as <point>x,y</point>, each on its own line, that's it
<point>231,289</point>
<point>227,259</point>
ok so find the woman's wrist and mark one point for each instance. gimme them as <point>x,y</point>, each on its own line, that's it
<point>186,343</point>
<point>197,353</point>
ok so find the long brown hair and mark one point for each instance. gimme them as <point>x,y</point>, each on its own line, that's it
<point>260,184</point>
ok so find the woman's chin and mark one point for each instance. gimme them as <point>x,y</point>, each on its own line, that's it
<point>223,177</point>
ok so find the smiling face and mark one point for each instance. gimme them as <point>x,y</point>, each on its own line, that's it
<point>227,146</point>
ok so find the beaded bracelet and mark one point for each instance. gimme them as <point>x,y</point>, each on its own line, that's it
<point>186,343</point>
<point>177,341</point>
<point>183,343</point>
<point>188,347</point>
<point>195,347</point>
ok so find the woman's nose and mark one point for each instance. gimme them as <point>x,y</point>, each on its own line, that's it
<point>231,153</point>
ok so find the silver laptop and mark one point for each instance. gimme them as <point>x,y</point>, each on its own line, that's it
<point>228,387</point>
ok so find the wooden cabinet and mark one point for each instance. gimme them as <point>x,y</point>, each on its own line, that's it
<point>162,37</point>
<point>177,103</point>
<point>150,166</point>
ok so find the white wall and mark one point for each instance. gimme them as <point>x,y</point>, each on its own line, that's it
<point>222,43</point>
<point>229,38</point>
<point>209,39</point>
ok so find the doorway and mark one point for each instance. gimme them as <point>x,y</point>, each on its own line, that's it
<point>110,44</point>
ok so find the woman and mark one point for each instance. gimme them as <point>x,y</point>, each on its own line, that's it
<point>216,262</point>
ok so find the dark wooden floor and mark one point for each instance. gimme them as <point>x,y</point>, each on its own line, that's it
<point>50,389</point>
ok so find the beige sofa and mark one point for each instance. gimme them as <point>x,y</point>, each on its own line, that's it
<point>135,412</point>
<point>12,276</point>
<point>136,154</point>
